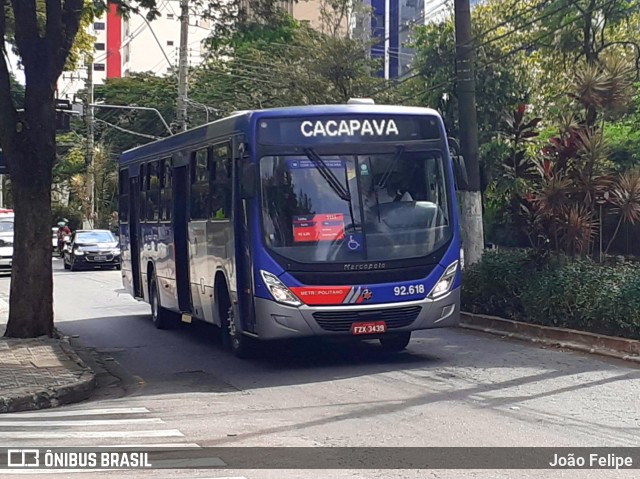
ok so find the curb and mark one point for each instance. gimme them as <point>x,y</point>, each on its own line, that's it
<point>592,343</point>
<point>77,391</point>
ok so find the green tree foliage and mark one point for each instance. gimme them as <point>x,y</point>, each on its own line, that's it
<point>43,34</point>
<point>17,91</point>
<point>502,80</point>
<point>267,62</point>
<point>282,62</point>
<point>141,90</point>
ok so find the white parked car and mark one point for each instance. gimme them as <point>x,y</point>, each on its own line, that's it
<point>6,238</point>
<point>54,239</point>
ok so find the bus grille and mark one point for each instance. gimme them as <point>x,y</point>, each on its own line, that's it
<point>342,320</point>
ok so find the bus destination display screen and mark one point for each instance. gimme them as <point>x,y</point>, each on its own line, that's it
<point>343,129</point>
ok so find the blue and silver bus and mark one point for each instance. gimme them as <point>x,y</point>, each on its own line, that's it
<point>296,222</point>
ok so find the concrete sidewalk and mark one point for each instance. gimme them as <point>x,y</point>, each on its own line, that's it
<point>40,373</point>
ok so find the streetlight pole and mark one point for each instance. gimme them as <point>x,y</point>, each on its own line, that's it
<point>471,197</point>
<point>90,221</point>
<point>181,116</point>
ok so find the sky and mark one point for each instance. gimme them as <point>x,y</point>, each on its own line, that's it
<point>13,65</point>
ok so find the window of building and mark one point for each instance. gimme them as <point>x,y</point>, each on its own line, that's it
<point>98,26</point>
<point>170,43</point>
<point>220,179</point>
<point>99,46</point>
<point>170,16</point>
<point>98,67</point>
<point>200,184</point>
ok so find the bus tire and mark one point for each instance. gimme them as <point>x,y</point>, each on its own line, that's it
<point>395,341</point>
<point>161,317</point>
<point>243,347</point>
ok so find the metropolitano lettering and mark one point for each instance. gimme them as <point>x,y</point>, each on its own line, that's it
<point>349,128</point>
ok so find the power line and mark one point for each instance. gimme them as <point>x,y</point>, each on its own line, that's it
<point>503,56</point>
<point>125,130</point>
<point>515,30</point>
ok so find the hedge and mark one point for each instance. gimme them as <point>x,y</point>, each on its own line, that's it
<point>555,291</point>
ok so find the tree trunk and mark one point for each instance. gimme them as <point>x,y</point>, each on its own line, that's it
<point>471,219</point>
<point>31,159</point>
<point>30,308</point>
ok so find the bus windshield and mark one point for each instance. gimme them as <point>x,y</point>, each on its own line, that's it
<point>373,207</point>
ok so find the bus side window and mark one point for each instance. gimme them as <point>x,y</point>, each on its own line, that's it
<point>143,192</point>
<point>153,195</point>
<point>123,199</point>
<point>221,178</point>
<point>199,184</point>
<point>166,190</point>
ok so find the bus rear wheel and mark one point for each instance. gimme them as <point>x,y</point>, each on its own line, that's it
<point>395,341</point>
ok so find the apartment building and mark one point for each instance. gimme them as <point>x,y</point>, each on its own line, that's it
<point>130,45</point>
<point>390,25</point>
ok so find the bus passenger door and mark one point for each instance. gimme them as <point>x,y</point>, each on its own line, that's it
<point>244,256</point>
<point>181,236</point>
<point>134,234</point>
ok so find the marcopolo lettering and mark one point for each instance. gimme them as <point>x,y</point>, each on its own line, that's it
<point>349,128</point>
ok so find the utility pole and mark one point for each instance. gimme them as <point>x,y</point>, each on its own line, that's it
<point>89,222</point>
<point>471,197</point>
<point>181,116</point>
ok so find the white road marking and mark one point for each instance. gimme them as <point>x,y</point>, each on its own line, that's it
<point>75,412</point>
<point>87,434</point>
<point>154,445</point>
<point>78,423</point>
<point>69,471</point>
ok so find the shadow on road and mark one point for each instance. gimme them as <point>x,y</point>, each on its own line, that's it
<point>192,355</point>
<point>440,366</point>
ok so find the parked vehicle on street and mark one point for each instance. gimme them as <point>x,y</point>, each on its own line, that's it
<point>90,249</point>
<point>293,222</point>
<point>54,239</point>
<point>6,238</point>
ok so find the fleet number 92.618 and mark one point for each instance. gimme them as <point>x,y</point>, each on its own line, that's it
<point>409,290</point>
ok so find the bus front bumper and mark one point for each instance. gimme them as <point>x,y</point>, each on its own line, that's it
<point>278,321</point>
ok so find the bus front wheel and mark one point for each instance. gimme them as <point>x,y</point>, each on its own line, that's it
<point>240,345</point>
<point>161,317</point>
<point>396,341</point>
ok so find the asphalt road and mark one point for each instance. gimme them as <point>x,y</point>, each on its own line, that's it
<point>450,388</point>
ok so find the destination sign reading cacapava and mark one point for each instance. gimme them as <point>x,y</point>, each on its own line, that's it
<point>344,129</point>
<point>349,128</point>
<point>314,228</point>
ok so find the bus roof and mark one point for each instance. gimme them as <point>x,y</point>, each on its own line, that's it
<point>240,122</point>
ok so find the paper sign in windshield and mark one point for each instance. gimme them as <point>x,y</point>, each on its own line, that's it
<point>303,164</point>
<point>313,228</point>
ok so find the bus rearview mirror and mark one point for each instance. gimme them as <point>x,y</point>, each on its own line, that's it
<point>248,181</point>
<point>460,169</point>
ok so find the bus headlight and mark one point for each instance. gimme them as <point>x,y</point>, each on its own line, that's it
<point>279,291</point>
<point>443,286</point>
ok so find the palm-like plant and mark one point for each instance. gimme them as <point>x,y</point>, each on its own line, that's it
<point>625,199</point>
<point>78,185</point>
<point>577,228</point>
<point>604,85</point>
<point>591,85</point>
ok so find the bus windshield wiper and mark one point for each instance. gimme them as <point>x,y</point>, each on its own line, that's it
<point>385,177</point>
<point>328,175</point>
